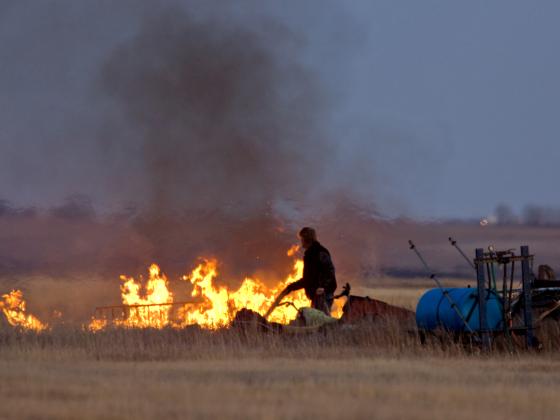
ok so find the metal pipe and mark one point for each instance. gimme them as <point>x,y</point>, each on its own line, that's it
<point>482,298</point>
<point>146,305</point>
<point>510,295</point>
<point>505,317</point>
<point>527,280</point>
<point>453,242</point>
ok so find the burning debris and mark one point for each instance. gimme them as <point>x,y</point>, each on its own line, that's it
<point>157,294</point>
<point>212,306</point>
<point>14,308</point>
<point>151,303</point>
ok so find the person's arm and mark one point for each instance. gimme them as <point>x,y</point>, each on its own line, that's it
<point>296,285</point>
<point>292,287</point>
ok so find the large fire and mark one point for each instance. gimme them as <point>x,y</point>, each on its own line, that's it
<point>214,306</point>
<point>220,304</point>
<point>151,303</point>
<point>13,307</point>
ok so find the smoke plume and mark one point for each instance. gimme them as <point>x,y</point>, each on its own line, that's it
<point>222,114</point>
<point>225,120</point>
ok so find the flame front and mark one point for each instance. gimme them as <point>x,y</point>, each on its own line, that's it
<point>13,307</point>
<point>147,310</point>
<point>220,305</point>
<point>215,307</point>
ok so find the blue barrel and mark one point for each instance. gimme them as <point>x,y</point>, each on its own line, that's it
<point>434,310</point>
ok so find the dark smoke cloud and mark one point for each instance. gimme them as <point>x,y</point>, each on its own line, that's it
<point>222,113</point>
<point>228,125</point>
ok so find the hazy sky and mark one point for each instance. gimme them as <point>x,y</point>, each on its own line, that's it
<point>437,108</point>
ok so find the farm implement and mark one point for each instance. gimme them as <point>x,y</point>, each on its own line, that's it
<point>509,304</point>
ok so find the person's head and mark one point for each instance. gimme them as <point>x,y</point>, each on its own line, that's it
<point>307,236</point>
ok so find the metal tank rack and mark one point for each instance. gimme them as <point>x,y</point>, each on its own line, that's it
<point>486,264</point>
<point>491,310</point>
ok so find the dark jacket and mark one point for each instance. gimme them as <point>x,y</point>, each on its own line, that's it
<point>318,271</point>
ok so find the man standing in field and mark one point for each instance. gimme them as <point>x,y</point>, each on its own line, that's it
<point>319,280</point>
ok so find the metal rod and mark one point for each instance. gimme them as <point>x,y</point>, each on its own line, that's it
<point>512,275</point>
<point>505,282</point>
<point>527,279</point>
<point>492,284</point>
<point>482,291</point>
<point>123,307</point>
<point>453,242</point>
<point>444,291</point>
<point>498,259</point>
<point>505,316</point>
<point>494,281</point>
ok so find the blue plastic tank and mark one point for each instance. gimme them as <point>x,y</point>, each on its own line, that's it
<point>434,310</point>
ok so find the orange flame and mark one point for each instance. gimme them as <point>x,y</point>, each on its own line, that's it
<point>13,307</point>
<point>96,324</point>
<point>218,304</point>
<point>141,314</point>
<point>292,251</point>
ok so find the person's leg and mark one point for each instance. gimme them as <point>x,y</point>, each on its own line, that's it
<point>329,299</point>
<point>322,303</point>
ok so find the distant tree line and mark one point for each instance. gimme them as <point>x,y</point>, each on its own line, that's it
<point>79,207</point>
<point>531,215</point>
<point>74,207</point>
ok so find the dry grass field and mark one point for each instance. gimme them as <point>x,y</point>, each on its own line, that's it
<point>380,372</point>
<point>66,386</point>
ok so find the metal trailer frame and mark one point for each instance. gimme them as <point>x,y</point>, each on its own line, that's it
<point>123,312</point>
<point>485,263</point>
